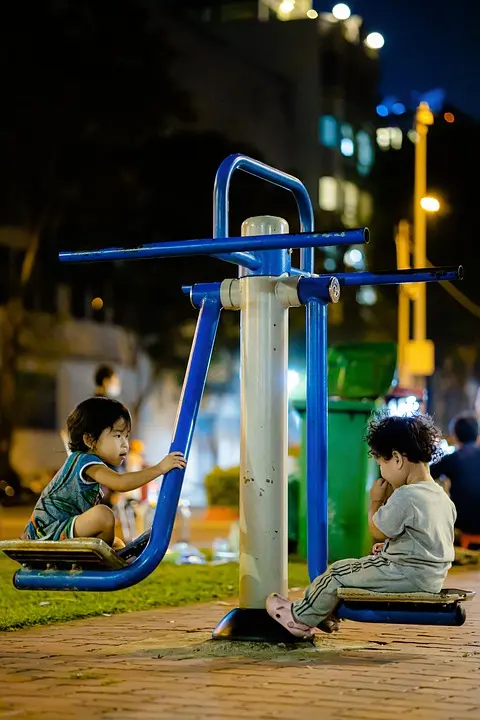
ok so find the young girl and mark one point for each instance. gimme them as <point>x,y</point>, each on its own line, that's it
<point>98,431</point>
<point>414,527</point>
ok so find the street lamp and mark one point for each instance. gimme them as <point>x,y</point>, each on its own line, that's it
<point>430,204</point>
<point>341,11</point>
<point>375,41</point>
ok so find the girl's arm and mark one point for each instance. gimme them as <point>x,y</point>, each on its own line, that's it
<point>133,480</point>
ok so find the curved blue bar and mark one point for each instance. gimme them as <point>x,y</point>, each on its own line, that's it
<point>179,248</point>
<point>317,429</point>
<point>165,512</point>
<point>272,175</point>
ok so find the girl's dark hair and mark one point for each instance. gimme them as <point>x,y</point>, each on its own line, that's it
<point>416,437</point>
<point>92,417</point>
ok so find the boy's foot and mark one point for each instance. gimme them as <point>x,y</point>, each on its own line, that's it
<point>280,609</point>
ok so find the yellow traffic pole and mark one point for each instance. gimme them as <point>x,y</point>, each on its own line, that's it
<point>423,118</point>
<point>402,241</point>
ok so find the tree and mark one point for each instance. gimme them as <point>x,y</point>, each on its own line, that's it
<point>85,88</point>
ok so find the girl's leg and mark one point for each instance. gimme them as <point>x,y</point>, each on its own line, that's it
<point>97,522</point>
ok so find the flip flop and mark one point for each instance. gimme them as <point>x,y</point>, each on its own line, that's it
<point>280,609</point>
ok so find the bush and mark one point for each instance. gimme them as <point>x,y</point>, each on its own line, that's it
<point>222,487</point>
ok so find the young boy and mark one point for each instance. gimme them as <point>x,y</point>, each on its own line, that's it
<point>414,527</point>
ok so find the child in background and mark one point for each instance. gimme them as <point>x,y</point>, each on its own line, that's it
<point>98,432</point>
<point>414,528</point>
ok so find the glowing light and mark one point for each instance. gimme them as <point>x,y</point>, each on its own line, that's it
<point>398,108</point>
<point>412,136</point>
<point>449,117</point>
<point>341,11</point>
<point>367,295</point>
<point>382,110</point>
<point>330,265</point>
<point>375,40</point>
<point>347,147</point>
<point>287,6</point>
<point>312,14</point>
<point>293,378</point>
<point>430,204</point>
<point>97,303</point>
<point>405,406</point>
<point>354,258</point>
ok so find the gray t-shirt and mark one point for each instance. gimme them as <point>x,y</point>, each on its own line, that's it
<point>418,519</point>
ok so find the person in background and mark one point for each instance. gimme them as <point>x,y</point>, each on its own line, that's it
<point>107,382</point>
<point>461,473</point>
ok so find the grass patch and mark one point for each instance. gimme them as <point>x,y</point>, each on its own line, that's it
<point>168,586</point>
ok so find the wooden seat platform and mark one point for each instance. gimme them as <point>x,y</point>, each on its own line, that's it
<point>445,597</point>
<point>77,554</point>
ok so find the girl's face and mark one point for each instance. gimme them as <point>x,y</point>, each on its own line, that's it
<point>395,470</point>
<point>112,445</point>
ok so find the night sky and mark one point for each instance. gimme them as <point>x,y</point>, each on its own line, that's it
<point>428,44</point>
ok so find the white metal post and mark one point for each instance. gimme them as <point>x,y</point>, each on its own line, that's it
<point>263,444</point>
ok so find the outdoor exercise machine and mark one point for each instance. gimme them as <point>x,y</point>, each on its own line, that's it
<point>266,287</point>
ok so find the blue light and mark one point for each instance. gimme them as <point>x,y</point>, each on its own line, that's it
<point>382,110</point>
<point>328,131</point>
<point>399,108</point>
<point>347,147</point>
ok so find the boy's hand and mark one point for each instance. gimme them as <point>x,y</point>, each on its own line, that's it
<point>378,491</point>
<point>171,461</point>
<point>378,547</point>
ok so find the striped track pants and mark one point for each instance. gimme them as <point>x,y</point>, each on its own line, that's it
<point>374,572</point>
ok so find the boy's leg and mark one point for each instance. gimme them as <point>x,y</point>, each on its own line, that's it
<point>97,522</point>
<point>369,573</point>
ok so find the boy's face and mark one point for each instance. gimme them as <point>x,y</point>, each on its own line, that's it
<point>394,471</point>
<point>112,445</point>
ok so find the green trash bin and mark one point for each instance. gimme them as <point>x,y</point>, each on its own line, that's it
<point>358,376</point>
<point>351,473</point>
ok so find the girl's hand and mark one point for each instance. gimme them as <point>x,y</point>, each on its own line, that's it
<point>378,491</point>
<point>171,461</point>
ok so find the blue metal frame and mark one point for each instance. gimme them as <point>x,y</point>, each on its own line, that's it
<point>272,175</point>
<point>169,496</point>
<point>182,248</point>
<point>258,255</point>
<point>402,613</point>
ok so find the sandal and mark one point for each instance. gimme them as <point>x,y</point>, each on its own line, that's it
<point>280,609</point>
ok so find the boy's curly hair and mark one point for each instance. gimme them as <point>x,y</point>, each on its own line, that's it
<point>416,437</point>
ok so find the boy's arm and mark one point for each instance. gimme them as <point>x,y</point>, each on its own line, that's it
<point>389,520</point>
<point>133,480</point>
<point>375,532</point>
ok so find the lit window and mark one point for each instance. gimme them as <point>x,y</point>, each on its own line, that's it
<point>365,208</point>
<point>327,193</point>
<point>391,137</point>
<point>364,153</point>
<point>383,138</point>
<point>328,131</point>
<point>350,204</point>
<point>347,147</point>
<point>396,138</point>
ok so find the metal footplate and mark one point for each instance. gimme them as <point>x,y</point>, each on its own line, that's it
<point>415,608</point>
<point>78,554</point>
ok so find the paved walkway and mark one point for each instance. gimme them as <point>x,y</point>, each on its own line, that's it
<point>160,664</point>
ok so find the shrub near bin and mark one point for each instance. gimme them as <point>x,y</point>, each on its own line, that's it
<point>223,488</point>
